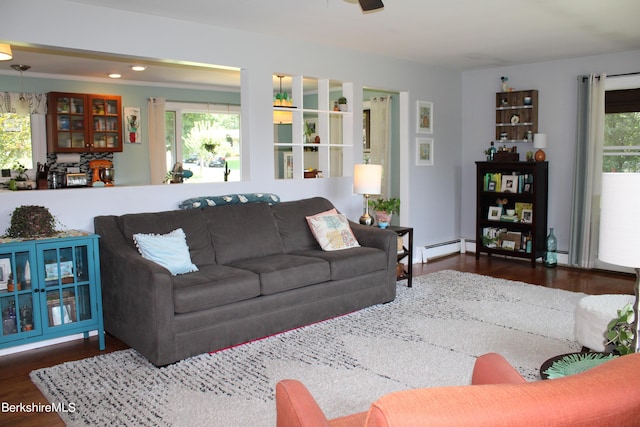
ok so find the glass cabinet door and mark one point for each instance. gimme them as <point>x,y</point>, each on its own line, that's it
<point>65,273</point>
<point>70,119</point>
<point>17,297</point>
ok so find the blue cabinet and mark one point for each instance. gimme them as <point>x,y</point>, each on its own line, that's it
<point>50,288</point>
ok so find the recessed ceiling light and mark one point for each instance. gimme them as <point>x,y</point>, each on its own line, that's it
<point>138,67</point>
<point>115,75</point>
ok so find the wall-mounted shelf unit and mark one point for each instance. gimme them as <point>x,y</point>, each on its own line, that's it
<point>516,116</point>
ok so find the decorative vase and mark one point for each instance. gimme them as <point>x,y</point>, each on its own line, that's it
<point>551,247</point>
<point>383,219</point>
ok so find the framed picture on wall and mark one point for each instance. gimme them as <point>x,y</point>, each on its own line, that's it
<point>424,151</point>
<point>424,117</point>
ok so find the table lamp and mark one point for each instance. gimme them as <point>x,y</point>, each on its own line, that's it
<point>367,180</point>
<point>540,142</point>
<point>620,229</point>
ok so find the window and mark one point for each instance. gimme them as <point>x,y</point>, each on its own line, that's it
<point>22,143</point>
<point>621,151</point>
<point>206,139</point>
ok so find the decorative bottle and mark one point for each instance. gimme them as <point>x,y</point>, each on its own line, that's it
<point>491,151</point>
<point>551,247</point>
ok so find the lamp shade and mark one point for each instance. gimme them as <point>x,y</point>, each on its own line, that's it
<point>539,140</point>
<point>620,219</point>
<point>5,52</point>
<point>367,179</point>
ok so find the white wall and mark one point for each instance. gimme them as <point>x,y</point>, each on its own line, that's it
<point>431,199</point>
<point>556,83</point>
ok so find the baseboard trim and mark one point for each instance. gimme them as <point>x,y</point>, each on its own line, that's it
<point>462,245</point>
<point>46,343</point>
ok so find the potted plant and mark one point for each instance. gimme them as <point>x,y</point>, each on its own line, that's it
<point>342,103</point>
<point>620,331</point>
<point>384,210</point>
<point>30,221</point>
<point>21,181</point>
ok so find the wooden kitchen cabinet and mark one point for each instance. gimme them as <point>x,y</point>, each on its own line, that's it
<point>81,123</point>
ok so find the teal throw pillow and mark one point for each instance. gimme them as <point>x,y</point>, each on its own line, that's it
<point>168,250</point>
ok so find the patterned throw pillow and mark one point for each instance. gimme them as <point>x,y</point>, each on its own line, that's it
<point>169,250</point>
<point>332,231</point>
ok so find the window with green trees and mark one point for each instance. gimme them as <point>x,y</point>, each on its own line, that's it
<point>206,139</point>
<point>15,141</point>
<point>621,151</point>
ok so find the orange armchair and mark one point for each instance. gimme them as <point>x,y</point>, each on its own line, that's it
<point>608,394</point>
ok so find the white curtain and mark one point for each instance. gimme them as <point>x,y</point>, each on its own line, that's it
<point>381,139</point>
<point>157,145</point>
<point>587,180</point>
<point>9,102</point>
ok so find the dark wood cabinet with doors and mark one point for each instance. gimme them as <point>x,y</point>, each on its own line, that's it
<point>80,123</point>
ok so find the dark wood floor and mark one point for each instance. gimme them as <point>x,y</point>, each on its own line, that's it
<point>16,387</point>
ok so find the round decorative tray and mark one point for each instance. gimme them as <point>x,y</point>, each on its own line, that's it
<point>572,363</point>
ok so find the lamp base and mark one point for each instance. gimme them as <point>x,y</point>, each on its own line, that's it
<point>540,156</point>
<point>366,219</point>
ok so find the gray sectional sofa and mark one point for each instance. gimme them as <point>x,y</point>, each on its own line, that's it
<point>260,271</point>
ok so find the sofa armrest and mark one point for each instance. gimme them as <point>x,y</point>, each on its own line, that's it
<point>375,237</point>
<point>137,294</point>
<point>492,368</point>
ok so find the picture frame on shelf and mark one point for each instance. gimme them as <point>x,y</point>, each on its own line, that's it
<point>51,270</point>
<point>509,245</point>
<point>494,213</point>
<point>491,186</point>
<point>509,184</point>
<point>5,273</point>
<point>424,117</point>
<point>520,206</point>
<point>424,151</point>
<point>527,216</point>
<point>527,188</point>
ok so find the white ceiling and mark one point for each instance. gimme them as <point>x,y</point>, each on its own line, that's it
<point>457,34</point>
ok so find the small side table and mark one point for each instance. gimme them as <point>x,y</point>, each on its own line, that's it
<point>405,252</point>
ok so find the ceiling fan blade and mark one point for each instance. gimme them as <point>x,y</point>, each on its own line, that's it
<point>368,5</point>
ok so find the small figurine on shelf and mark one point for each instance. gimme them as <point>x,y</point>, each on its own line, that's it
<point>505,86</point>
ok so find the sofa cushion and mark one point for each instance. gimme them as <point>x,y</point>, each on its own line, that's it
<point>169,250</point>
<point>282,272</point>
<point>192,223</point>
<point>332,232</point>
<point>292,224</point>
<point>350,262</point>
<point>242,231</point>
<point>213,286</point>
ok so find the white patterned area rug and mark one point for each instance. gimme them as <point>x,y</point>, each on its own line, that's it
<point>429,336</point>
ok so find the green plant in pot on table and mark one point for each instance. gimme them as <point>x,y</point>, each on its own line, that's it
<point>384,210</point>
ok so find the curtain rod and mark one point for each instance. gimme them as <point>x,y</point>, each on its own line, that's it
<point>585,78</point>
<point>624,74</point>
